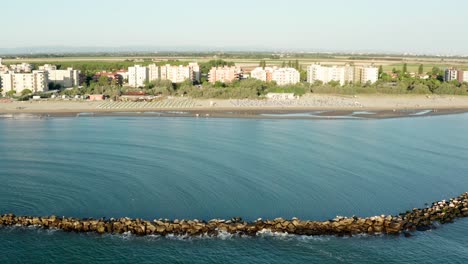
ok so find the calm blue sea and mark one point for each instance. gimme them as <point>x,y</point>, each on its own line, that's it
<point>150,167</point>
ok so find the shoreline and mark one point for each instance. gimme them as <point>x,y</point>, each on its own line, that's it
<point>306,107</point>
<point>252,113</point>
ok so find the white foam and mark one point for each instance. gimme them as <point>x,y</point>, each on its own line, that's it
<point>267,233</point>
<point>421,113</point>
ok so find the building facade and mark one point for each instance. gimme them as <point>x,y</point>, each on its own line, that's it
<point>178,74</point>
<point>47,67</point>
<point>66,78</point>
<point>138,76</point>
<point>262,74</point>
<point>342,74</point>
<point>153,72</point>
<point>366,74</point>
<point>195,71</point>
<point>285,76</point>
<point>22,67</point>
<point>37,81</point>
<point>224,74</point>
<point>465,77</point>
<point>115,77</point>
<point>282,76</point>
<point>3,67</point>
<point>369,74</point>
<point>451,75</point>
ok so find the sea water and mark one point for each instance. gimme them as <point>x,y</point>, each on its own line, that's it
<point>163,167</point>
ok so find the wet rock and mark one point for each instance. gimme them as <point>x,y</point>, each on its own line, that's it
<point>417,219</point>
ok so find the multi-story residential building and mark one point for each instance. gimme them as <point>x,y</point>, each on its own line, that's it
<point>281,76</point>
<point>3,67</point>
<point>451,75</point>
<point>460,75</point>
<point>47,67</point>
<point>178,74</point>
<point>463,76</point>
<point>111,76</point>
<point>224,74</point>
<point>196,73</point>
<point>262,74</point>
<point>22,67</point>
<point>349,72</point>
<point>37,81</point>
<point>138,76</point>
<point>366,74</point>
<point>341,74</point>
<point>285,76</point>
<point>153,72</point>
<point>65,78</point>
<point>324,74</point>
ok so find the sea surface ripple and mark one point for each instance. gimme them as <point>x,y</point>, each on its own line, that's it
<point>164,167</point>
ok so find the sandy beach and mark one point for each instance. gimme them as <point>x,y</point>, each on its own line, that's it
<point>369,106</point>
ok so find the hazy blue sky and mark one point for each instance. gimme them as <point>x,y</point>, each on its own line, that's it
<point>397,25</point>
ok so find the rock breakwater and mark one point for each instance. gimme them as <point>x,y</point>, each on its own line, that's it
<point>445,211</point>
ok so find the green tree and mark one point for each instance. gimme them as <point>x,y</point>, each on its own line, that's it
<point>435,70</point>
<point>11,93</point>
<point>26,92</point>
<point>334,83</point>
<point>380,70</point>
<point>405,68</point>
<point>283,65</point>
<point>421,69</point>
<point>206,66</point>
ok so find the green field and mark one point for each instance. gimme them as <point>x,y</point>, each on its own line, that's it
<point>248,60</point>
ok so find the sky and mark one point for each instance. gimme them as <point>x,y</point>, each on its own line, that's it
<point>412,26</point>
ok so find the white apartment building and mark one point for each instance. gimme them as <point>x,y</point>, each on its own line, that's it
<point>66,78</point>
<point>3,67</point>
<point>341,74</point>
<point>37,81</point>
<point>366,74</point>
<point>153,72</point>
<point>285,76</point>
<point>451,75</point>
<point>262,74</point>
<point>23,67</point>
<point>178,74</point>
<point>47,67</point>
<point>465,77</point>
<point>137,76</point>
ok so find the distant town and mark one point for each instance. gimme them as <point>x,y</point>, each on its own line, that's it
<point>27,79</point>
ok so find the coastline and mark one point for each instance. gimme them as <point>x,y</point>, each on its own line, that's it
<point>307,107</point>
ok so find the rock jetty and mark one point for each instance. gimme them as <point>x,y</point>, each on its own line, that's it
<point>417,219</point>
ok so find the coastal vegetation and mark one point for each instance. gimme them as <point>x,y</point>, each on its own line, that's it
<point>396,76</point>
